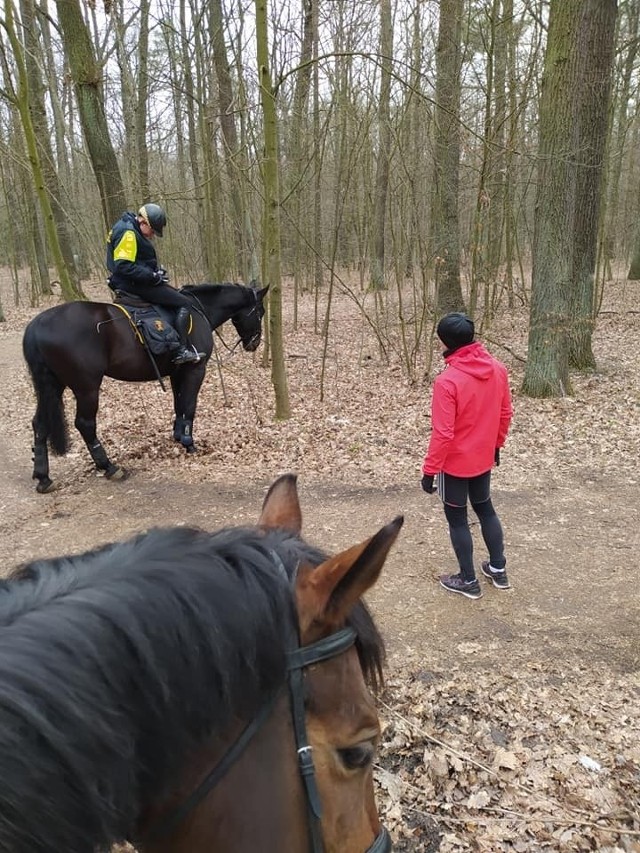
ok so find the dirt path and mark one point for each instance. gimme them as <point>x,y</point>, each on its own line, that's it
<point>571,561</point>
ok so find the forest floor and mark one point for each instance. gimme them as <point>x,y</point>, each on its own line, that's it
<point>511,723</point>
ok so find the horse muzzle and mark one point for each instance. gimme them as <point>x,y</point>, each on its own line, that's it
<point>252,344</point>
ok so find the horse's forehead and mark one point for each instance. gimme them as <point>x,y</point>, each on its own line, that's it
<point>337,694</point>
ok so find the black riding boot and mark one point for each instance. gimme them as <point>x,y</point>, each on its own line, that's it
<point>185,354</point>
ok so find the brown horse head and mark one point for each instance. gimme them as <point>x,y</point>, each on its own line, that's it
<point>276,795</point>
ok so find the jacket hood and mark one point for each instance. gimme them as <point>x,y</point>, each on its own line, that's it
<point>131,219</point>
<point>472,359</point>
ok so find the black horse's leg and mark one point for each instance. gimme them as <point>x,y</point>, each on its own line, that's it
<point>49,426</point>
<point>40,457</point>
<point>86,411</point>
<point>186,384</point>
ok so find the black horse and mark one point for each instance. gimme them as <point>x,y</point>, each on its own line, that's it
<point>76,344</point>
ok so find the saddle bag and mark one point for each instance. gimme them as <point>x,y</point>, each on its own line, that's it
<point>154,324</point>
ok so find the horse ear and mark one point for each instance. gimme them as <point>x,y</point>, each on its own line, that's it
<point>281,507</point>
<point>327,593</point>
<point>262,293</point>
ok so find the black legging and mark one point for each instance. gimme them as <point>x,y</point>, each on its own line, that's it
<point>461,536</point>
<point>159,294</point>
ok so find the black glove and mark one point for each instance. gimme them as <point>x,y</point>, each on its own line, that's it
<point>496,456</point>
<point>427,483</point>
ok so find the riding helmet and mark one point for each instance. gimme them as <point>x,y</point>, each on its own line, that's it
<point>154,216</point>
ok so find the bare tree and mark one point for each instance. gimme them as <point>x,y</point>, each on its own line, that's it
<point>596,30</point>
<point>299,150</point>
<point>572,100</point>
<point>271,232</point>
<point>34,61</point>
<point>384,149</point>
<point>233,155</point>
<point>87,77</point>
<point>445,233</point>
<point>21,99</point>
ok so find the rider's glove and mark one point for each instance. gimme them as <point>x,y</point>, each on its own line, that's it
<point>427,483</point>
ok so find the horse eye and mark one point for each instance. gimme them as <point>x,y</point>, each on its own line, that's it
<point>357,757</point>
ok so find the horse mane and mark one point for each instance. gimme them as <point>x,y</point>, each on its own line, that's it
<point>211,288</point>
<point>118,662</point>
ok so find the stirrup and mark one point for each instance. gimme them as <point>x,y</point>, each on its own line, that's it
<point>187,356</point>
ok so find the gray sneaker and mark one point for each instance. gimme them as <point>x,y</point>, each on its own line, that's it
<point>456,583</point>
<point>498,578</point>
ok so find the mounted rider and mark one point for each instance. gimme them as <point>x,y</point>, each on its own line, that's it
<point>133,266</point>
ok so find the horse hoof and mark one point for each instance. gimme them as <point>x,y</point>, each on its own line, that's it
<point>116,473</point>
<point>45,486</point>
<point>190,448</point>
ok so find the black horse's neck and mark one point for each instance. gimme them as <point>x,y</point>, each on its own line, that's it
<point>217,302</point>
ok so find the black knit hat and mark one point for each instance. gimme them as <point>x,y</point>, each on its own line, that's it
<point>455,330</point>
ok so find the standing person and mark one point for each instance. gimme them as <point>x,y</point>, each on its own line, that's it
<point>133,264</point>
<point>470,416</point>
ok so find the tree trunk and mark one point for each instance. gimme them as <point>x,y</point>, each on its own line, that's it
<point>205,247</point>
<point>562,146</point>
<point>127,96</point>
<point>70,290</point>
<point>271,231</point>
<point>495,235</point>
<point>592,94</point>
<point>300,223</point>
<point>384,149</point>
<point>232,152</point>
<point>142,149</point>
<point>317,238</point>
<point>87,76</point>
<point>445,236</point>
<point>34,61</point>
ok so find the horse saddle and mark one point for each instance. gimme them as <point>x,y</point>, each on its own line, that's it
<point>152,324</point>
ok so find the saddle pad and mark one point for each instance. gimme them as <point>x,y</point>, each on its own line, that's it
<point>153,324</point>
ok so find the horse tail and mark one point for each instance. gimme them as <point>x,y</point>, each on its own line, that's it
<point>51,421</point>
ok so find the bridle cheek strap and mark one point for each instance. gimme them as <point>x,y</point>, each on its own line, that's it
<point>298,659</point>
<point>305,760</point>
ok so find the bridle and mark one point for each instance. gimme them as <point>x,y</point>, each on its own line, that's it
<point>199,307</point>
<point>298,659</point>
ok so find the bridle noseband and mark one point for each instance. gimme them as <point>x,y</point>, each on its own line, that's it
<point>298,659</point>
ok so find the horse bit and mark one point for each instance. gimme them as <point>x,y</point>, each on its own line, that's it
<point>298,659</point>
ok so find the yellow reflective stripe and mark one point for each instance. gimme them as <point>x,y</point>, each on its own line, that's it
<point>127,314</point>
<point>127,248</point>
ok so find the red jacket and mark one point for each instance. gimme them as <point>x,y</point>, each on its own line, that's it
<point>470,413</point>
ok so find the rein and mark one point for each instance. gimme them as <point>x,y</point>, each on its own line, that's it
<point>298,659</point>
